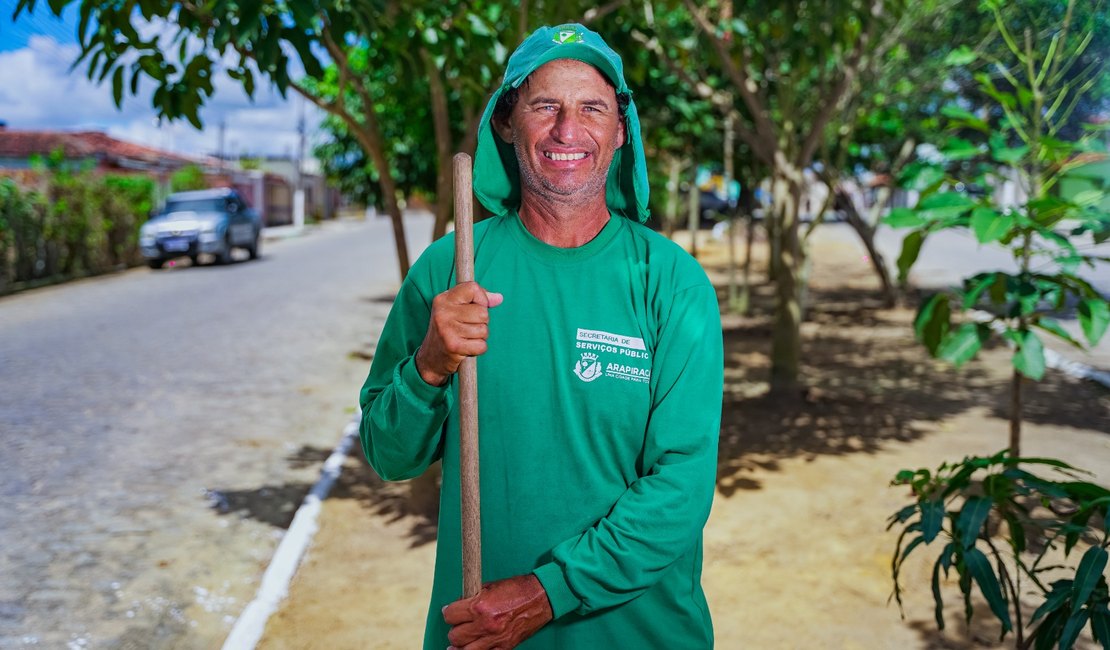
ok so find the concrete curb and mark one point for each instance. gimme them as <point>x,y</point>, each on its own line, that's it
<point>251,624</point>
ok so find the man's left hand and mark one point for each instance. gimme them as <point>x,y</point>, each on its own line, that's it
<point>501,616</point>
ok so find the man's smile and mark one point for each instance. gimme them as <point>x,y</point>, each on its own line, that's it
<point>554,155</point>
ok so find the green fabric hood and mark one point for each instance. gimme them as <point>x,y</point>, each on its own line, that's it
<point>496,173</point>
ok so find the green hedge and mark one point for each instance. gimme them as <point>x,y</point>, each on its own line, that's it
<point>75,225</point>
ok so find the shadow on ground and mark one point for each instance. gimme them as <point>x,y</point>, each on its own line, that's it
<point>396,501</point>
<point>867,384</point>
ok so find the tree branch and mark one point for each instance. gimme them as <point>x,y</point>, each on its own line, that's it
<point>832,102</point>
<point>600,12</point>
<point>720,100</point>
<point>764,128</point>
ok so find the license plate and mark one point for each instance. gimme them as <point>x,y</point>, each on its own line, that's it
<point>176,245</point>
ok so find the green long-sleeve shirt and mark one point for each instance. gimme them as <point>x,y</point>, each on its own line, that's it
<point>600,403</point>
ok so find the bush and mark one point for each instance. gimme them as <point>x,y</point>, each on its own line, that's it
<point>84,225</point>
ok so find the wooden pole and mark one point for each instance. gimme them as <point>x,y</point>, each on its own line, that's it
<point>468,389</point>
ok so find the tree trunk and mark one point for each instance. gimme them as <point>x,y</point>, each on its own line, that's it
<point>670,214</point>
<point>746,282</point>
<point>866,234</point>
<point>442,128</point>
<point>1015,415</point>
<point>692,215</point>
<point>369,136</point>
<point>786,340</point>
<point>773,219</point>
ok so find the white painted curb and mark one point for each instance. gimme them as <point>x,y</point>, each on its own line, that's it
<point>275,582</point>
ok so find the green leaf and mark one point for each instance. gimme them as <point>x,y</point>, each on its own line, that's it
<point>911,248</point>
<point>1057,596</point>
<point>980,568</point>
<point>921,176</point>
<point>944,205</point>
<point>959,149</point>
<point>960,56</point>
<point>960,346</point>
<point>990,225</point>
<point>1072,627</point>
<point>1046,634</point>
<point>1017,533</point>
<point>932,518</point>
<point>1100,627</point>
<point>903,515</point>
<point>1003,154</point>
<point>964,117</point>
<point>1029,356</point>
<point>903,218</point>
<point>972,516</point>
<point>117,86</point>
<point>1094,317</point>
<point>975,286</point>
<point>938,600</point>
<point>933,322</point>
<point>1086,576</point>
<point>1054,328</point>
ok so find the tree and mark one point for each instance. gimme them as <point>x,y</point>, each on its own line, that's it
<point>790,69</point>
<point>1035,98</point>
<point>189,177</point>
<point>273,39</point>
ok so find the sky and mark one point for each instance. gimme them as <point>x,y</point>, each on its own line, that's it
<point>38,92</point>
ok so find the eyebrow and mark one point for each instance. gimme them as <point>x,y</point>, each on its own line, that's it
<point>551,100</point>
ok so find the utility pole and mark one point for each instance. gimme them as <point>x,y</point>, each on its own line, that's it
<point>298,175</point>
<point>220,148</point>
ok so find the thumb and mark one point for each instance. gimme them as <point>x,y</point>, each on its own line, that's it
<point>494,299</point>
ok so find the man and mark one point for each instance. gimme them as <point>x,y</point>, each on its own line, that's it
<point>599,369</point>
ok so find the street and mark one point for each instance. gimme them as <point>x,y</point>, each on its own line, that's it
<point>161,427</point>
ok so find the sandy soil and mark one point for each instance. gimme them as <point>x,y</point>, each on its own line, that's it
<point>796,555</point>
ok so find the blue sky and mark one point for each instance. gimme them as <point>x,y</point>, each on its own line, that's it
<point>38,92</point>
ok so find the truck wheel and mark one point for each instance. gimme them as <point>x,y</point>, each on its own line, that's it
<point>155,264</point>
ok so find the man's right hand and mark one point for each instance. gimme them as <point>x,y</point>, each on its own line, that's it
<point>457,329</point>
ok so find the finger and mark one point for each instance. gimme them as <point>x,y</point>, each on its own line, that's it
<point>494,299</point>
<point>461,635</point>
<point>458,612</point>
<point>474,331</point>
<point>469,347</point>
<point>465,293</point>
<point>471,313</point>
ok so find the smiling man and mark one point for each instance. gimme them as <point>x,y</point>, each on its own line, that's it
<point>599,369</point>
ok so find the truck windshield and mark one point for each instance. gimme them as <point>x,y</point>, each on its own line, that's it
<point>195,205</point>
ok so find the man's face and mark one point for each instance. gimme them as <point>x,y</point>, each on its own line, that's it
<point>565,128</point>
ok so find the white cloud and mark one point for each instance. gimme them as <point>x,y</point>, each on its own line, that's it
<point>37,91</point>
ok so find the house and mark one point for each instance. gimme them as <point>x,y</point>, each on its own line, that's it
<point>92,150</point>
<point>268,193</point>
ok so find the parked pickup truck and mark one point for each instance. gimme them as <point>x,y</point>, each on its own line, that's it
<point>204,222</point>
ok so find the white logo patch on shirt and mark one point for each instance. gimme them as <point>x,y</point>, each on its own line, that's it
<point>612,355</point>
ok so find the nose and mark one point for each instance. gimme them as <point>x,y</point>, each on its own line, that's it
<point>566,127</point>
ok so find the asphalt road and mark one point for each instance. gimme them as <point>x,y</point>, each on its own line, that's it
<point>160,427</point>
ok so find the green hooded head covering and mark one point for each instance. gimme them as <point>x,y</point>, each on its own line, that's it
<point>496,172</point>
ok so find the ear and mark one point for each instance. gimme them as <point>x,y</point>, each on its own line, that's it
<point>623,135</point>
<point>502,128</point>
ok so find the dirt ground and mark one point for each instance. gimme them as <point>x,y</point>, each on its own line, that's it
<point>796,555</point>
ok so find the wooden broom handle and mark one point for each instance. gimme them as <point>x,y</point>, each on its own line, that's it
<point>468,389</point>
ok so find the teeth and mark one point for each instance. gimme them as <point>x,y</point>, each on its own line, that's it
<point>564,156</point>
